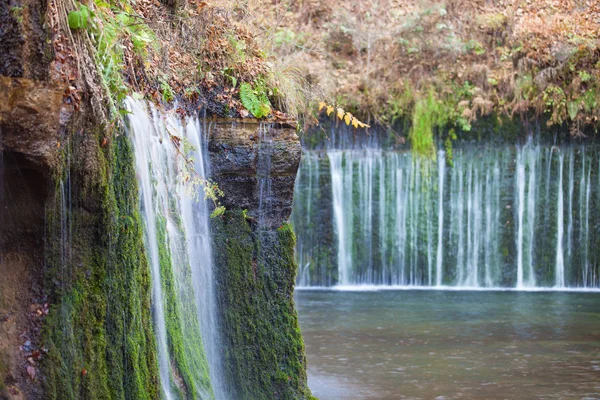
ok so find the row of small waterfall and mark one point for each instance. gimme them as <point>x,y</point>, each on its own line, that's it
<point>495,217</point>
<point>171,166</point>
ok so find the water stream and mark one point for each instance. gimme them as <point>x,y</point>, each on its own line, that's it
<point>177,237</point>
<point>511,216</point>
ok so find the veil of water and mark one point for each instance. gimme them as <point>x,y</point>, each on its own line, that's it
<point>178,241</point>
<point>520,217</point>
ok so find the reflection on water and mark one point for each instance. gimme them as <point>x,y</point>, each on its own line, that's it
<point>451,345</point>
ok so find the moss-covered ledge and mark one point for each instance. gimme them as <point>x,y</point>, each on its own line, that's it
<point>255,273</point>
<point>253,244</point>
<point>99,333</point>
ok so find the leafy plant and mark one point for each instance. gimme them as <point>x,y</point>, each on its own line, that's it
<point>424,119</point>
<point>255,99</point>
<point>109,26</point>
<point>165,89</point>
<point>476,47</point>
<point>79,18</point>
<point>341,114</point>
<point>17,13</point>
<point>585,76</point>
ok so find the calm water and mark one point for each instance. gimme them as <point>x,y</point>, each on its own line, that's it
<point>451,344</point>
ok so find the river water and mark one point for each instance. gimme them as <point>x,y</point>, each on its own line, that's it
<point>447,344</point>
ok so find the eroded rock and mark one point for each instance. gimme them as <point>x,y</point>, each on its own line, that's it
<point>30,119</point>
<point>255,165</point>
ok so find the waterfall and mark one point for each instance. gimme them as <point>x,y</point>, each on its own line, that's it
<point>560,262</point>
<point>525,186</point>
<point>340,212</point>
<point>142,129</point>
<point>440,245</point>
<point>498,217</point>
<point>171,166</point>
<point>264,174</point>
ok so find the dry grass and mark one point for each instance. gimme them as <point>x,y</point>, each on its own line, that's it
<point>366,55</point>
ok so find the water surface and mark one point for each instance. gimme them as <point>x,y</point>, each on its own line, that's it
<point>417,344</point>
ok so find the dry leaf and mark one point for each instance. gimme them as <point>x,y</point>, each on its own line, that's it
<point>348,118</point>
<point>31,372</point>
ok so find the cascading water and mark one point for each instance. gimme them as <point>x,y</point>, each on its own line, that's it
<point>496,218</point>
<point>560,261</point>
<point>171,165</point>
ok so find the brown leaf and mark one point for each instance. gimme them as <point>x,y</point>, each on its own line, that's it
<point>31,372</point>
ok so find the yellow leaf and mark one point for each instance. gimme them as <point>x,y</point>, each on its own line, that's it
<point>355,122</point>
<point>321,105</point>
<point>348,118</point>
<point>329,110</point>
<point>340,113</point>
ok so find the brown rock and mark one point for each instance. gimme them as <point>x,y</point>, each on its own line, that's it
<point>30,119</point>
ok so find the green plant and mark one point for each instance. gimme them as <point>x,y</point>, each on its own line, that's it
<point>475,46</point>
<point>448,146</point>
<point>556,104</point>
<point>424,119</point>
<point>585,76</point>
<point>108,27</point>
<point>79,18</point>
<point>229,74</point>
<point>255,99</point>
<point>17,13</point>
<point>165,89</point>
<point>238,54</point>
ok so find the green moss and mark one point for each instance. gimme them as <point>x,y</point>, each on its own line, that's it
<point>423,123</point>
<point>99,331</point>
<point>3,371</point>
<point>255,272</point>
<point>183,331</point>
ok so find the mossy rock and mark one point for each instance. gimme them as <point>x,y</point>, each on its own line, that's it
<point>255,271</point>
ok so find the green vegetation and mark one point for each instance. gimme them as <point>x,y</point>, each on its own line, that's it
<point>3,370</point>
<point>183,331</point>
<point>254,98</point>
<point>99,331</point>
<point>109,26</point>
<point>17,13</point>
<point>263,347</point>
<point>424,120</point>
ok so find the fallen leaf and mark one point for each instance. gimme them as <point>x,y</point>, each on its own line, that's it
<point>31,372</point>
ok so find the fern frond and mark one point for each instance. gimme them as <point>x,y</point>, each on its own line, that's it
<point>257,103</point>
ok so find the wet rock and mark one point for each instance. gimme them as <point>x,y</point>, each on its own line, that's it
<point>24,41</point>
<point>255,165</point>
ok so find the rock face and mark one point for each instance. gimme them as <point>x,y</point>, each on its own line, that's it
<point>24,44</point>
<point>253,245</point>
<point>30,119</point>
<point>255,165</point>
